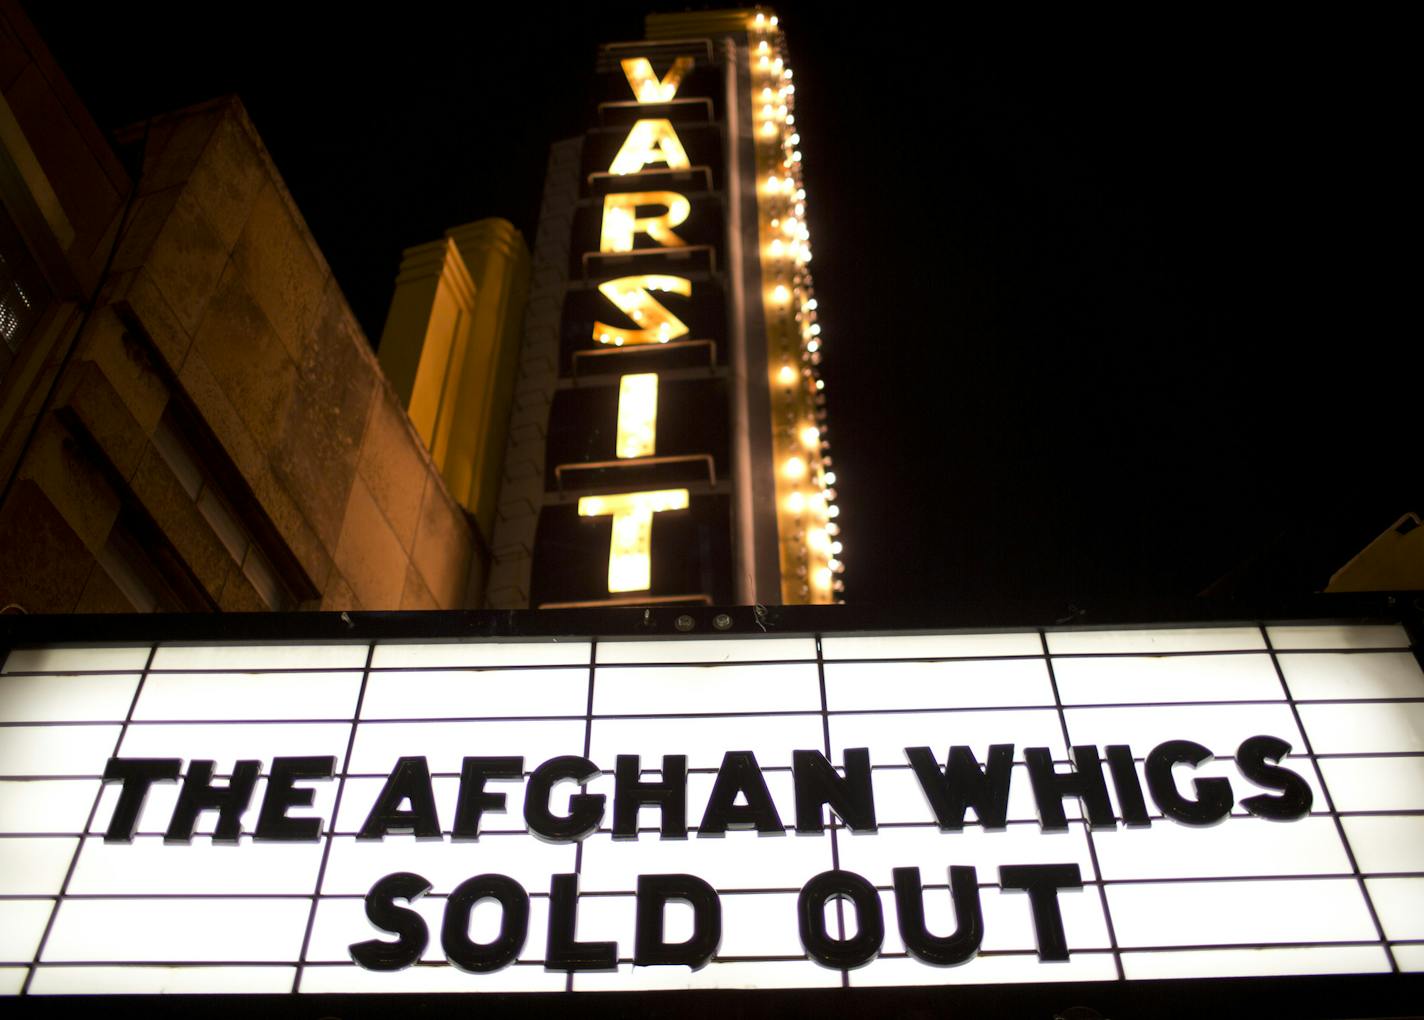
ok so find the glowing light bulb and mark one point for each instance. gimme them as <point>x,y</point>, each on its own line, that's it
<point>761,19</point>
<point>781,295</point>
<point>815,329</point>
<point>794,467</point>
<point>820,384</point>
<point>819,539</point>
<point>773,21</point>
<point>810,436</point>
<point>822,578</point>
<point>812,346</point>
<point>768,128</point>
<point>786,376</point>
<point>833,511</point>
<point>830,477</point>
<point>777,248</point>
<point>796,502</point>
<point>836,548</point>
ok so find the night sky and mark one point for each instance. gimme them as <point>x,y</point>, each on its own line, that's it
<point>1111,310</point>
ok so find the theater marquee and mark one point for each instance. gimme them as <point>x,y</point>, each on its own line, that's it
<point>680,813</point>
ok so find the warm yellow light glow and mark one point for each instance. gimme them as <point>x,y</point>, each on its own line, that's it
<point>774,20</point>
<point>821,577</point>
<point>796,502</point>
<point>621,222</point>
<point>630,559</point>
<point>794,467</point>
<point>810,436</point>
<point>818,539</point>
<point>780,294</point>
<point>786,376</point>
<point>762,47</point>
<point>637,415</point>
<point>830,477</point>
<point>649,142</point>
<point>632,295</point>
<point>645,84</point>
<point>760,19</point>
<point>768,129</point>
<point>776,247</point>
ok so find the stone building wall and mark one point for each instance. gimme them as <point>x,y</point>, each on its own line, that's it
<point>219,323</point>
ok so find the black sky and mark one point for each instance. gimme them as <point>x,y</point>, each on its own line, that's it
<point>1109,307</point>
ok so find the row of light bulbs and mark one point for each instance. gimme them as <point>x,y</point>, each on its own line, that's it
<point>808,481</point>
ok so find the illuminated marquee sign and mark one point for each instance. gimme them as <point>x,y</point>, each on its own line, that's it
<point>637,447</point>
<point>754,812</point>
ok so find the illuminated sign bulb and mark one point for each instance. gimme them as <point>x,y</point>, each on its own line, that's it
<point>781,294</point>
<point>762,47</point>
<point>774,20</point>
<point>819,539</point>
<point>768,128</point>
<point>777,248</point>
<point>836,548</point>
<point>761,19</point>
<point>815,329</point>
<point>822,577</point>
<point>813,346</point>
<point>794,467</point>
<point>810,436</point>
<point>796,502</point>
<point>786,376</point>
<point>830,477</point>
<point>833,511</point>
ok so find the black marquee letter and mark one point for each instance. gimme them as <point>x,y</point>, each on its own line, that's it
<point>856,951</point>
<point>409,779</point>
<point>1129,788</point>
<point>654,892</point>
<point>1084,781</point>
<point>1042,882</point>
<point>1214,797</point>
<point>962,784</point>
<point>740,773</point>
<point>272,821</point>
<point>817,783</point>
<point>477,957</point>
<point>563,951</point>
<point>473,800</point>
<point>1258,759</point>
<point>969,918</point>
<point>137,775</point>
<point>585,809</point>
<point>199,795</point>
<point>384,914</point>
<point>669,794</point>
